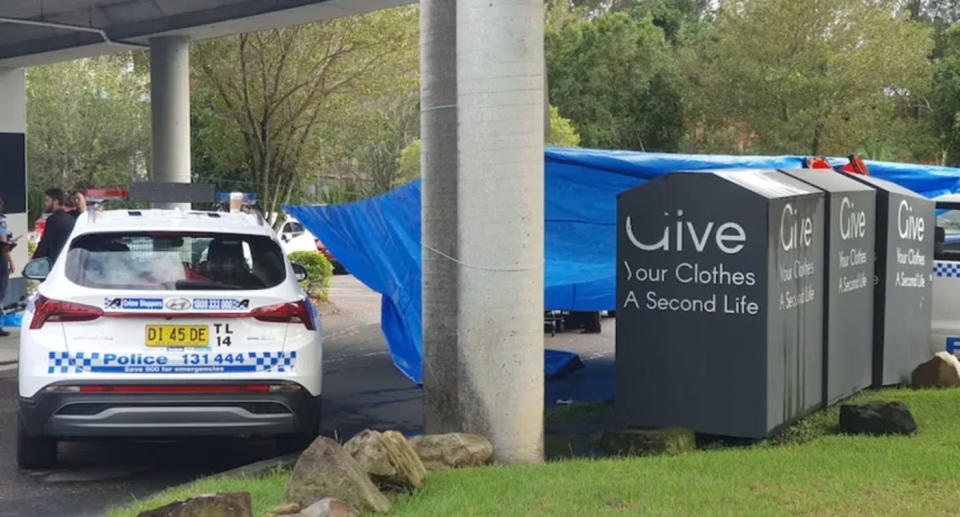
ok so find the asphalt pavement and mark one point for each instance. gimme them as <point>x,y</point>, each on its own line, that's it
<point>362,389</point>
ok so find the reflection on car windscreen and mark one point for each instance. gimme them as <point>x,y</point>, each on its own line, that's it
<point>168,261</point>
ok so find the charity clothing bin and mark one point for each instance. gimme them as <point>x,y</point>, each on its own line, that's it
<point>903,289</point>
<point>850,216</point>
<point>719,311</point>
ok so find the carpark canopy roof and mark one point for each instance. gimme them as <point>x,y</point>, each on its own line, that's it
<point>34,32</point>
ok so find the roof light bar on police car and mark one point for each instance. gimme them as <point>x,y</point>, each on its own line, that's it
<point>248,198</point>
<point>99,195</point>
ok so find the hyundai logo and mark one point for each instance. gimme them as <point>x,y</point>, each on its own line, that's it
<point>178,304</point>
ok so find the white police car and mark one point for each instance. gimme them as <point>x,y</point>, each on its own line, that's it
<point>945,328</point>
<point>167,323</point>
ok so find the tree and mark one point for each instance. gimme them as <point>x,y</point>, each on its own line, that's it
<point>945,96</point>
<point>562,131</point>
<point>88,124</point>
<point>613,76</point>
<point>408,164</point>
<point>376,127</point>
<point>675,17</point>
<point>805,76</point>
<point>276,91</point>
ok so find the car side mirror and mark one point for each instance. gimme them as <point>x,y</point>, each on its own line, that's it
<point>299,272</point>
<point>284,237</point>
<point>37,269</point>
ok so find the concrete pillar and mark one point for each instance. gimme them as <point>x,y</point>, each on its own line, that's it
<point>438,168</point>
<point>13,169</point>
<point>170,110</point>
<point>500,224</point>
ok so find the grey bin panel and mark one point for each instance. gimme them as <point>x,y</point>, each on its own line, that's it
<point>904,280</point>
<point>850,214</point>
<point>719,320</point>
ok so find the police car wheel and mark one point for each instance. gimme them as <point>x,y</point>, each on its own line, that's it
<point>34,452</point>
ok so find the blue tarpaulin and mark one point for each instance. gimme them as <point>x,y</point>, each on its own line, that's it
<point>378,239</point>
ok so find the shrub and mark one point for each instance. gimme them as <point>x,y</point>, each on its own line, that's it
<point>319,273</point>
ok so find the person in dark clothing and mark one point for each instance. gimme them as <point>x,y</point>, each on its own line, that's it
<point>79,200</point>
<point>58,227</point>
<point>6,263</point>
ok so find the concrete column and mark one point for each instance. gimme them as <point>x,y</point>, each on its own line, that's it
<point>13,169</point>
<point>500,223</point>
<point>438,168</point>
<point>170,110</point>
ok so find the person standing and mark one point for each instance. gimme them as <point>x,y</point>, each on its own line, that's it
<point>58,227</point>
<point>6,262</point>
<point>79,201</point>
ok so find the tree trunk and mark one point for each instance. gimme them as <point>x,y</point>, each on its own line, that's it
<point>817,134</point>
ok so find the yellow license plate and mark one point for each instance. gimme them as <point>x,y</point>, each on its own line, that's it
<point>178,335</point>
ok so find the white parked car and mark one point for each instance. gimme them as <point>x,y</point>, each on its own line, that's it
<point>294,237</point>
<point>167,323</point>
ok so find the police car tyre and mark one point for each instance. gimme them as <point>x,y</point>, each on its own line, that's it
<point>34,452</point>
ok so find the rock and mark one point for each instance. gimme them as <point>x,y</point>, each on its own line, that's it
<point>648,442</point>
<point>286,509</point>
<point>452,450</point>
<point>326,470</point>
<point>388,458</point>
<point>329,507</point>
<point>235,504</point>
<point>877,418</point>
<point>943,371</point>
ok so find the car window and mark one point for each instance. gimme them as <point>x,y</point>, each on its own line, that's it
<point>947,242</point>
<point>293,228</point>
<point>175,261</point>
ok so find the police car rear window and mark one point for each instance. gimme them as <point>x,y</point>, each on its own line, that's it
<point>175,261</point>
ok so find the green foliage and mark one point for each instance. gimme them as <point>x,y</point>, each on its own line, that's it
<point>344,191</point>
<point>613,77</point>
<point>88,123</point>
<point>804,76</point>
<point>319,273</point>
<point>378,125</point>
<point>278,98</point>
<point>408,164</point>
<point>677,18</point>
<point>945,96</point>
<point>562,131</point>
<point>266,493</point>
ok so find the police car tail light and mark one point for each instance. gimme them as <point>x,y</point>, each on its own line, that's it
<point>290,312</point>
<point>46,310</point>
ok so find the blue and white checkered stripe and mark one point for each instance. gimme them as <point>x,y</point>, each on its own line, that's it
<point>80,362</point>
<point>270,361</point>
<point>946,269</point>
<point>65,362</point>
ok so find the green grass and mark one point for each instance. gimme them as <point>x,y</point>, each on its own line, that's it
<point>808,470</point>
<point>266,493</point>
